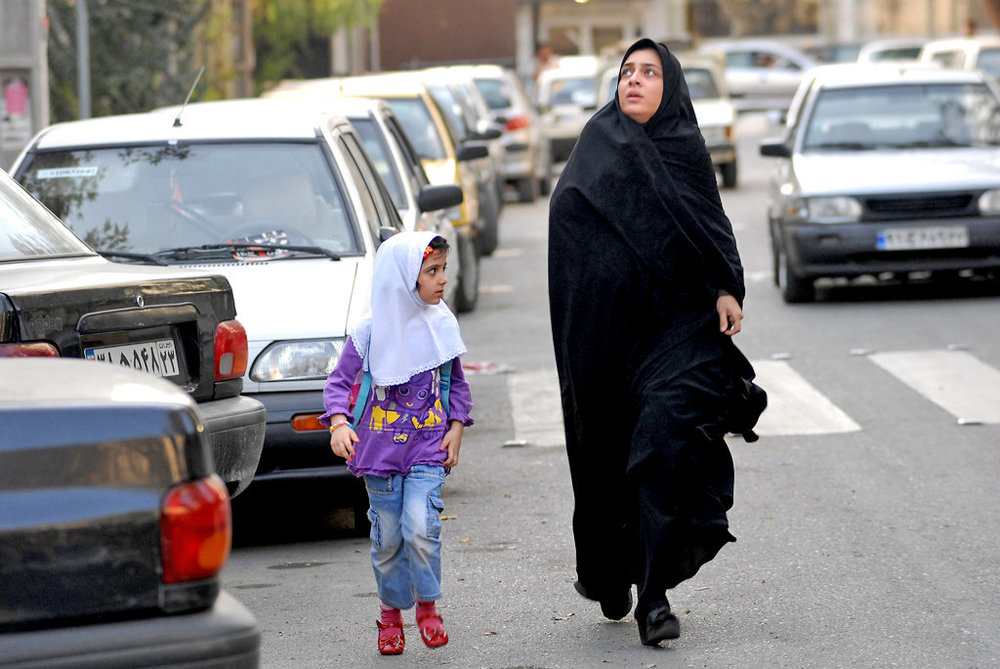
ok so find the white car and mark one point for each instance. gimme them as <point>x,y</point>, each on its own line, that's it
<point>887,171</point>
<point>760,74</point>
<point>712,107</point>
<point>566,97</point>
<point>965,53</point>
<point>286,205</point>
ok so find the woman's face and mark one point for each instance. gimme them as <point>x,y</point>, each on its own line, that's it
<point>640,85</point>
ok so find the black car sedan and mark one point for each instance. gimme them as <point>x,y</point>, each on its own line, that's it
<point>113,525</point>
<point>60,298</point>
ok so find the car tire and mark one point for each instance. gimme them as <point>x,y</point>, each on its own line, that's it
<point>795,289</point>
<point>527,189</point>
<point>489,231</point>
<point>729,174</point>
<point>468,282</point>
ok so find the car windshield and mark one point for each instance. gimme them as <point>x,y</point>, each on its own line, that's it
<point>375,144</point>
<point>494,91</point>
<point>416,120</point>
<point>28,231</point>
<point>903,116</point>
<point>152,199</point>
<point>572,90</point>
<point>989,62</point>
<point>700,83</point>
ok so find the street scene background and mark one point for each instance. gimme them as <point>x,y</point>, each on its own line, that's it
<point>865,515</point>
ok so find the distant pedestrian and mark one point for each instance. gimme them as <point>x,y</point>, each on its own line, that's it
<point>646,288</point>
<point>545,59</point>
<point>403,358</point>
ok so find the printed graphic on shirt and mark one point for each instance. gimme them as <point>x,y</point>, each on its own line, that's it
<point>408,407</point>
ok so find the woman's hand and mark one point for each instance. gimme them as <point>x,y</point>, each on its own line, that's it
<point>730,314</point>
<point>452,443</point>
<point>342,441</point>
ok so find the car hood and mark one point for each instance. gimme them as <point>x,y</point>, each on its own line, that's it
<point>713,112</point>
<point>883,171</point>
<point>317,296</point>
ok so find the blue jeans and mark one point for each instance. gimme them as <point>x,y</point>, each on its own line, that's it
<point>406,535</point>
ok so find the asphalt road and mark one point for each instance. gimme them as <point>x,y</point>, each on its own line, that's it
<point>865,515</point>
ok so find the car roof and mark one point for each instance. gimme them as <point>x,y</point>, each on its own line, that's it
<point>252,118</point>
<point>852,75</point>
<point>974,41</point>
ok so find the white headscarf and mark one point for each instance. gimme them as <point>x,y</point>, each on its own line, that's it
<point>404,335</point>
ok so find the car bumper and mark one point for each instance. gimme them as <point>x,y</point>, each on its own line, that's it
<point>849,250</point>
<point>722,154</point>
<point>226,635</point>
<point>234,431</point>
<point>294,454</point>
<point>519,162</point>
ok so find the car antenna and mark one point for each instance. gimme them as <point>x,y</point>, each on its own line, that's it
<point>177,121</point>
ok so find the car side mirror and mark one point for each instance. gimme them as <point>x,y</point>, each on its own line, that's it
<point>385,232</point>
<point>472,152</point>
<point>775,149</point>
<point>433,198</point>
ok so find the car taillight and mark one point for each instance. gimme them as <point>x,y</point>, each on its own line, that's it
<point>33,349</point>
<point>231,350</point>
<point>196,530</point>
<point>517,122</point>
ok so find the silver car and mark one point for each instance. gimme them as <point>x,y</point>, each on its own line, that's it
<point>885,170</point>
<point>760,74</point>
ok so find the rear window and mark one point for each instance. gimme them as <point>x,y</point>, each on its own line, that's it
<point>494,92</point>
<point>28,231</point>
<point>375,144</point>
<point>145,199</point>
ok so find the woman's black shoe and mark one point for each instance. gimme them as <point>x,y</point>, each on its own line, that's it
<point>614,607</point>
<point>657,624</point>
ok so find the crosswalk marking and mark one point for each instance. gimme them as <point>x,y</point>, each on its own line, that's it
<point>794,406</point>
<point>956,381</point>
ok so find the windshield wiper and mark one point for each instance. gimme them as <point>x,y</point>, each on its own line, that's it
<point>225,249</point>
<point>148,257</point>
<point>845,146</point>
<point>931,143</point>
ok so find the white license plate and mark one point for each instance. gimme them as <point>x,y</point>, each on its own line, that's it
<point>909,239</point>
<point>156,357</point>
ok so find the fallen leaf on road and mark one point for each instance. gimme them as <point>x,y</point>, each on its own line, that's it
<point>565,617</point>
<point>448,517</point>
<point>466,540</point>
<point>490,633</point>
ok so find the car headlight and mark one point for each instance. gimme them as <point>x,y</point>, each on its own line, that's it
<point>989,202</point>
<point>297,360</point>
<point>824,209</point>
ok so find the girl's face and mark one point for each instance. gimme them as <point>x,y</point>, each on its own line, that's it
<point>640,85</point>
<point>432,280</point>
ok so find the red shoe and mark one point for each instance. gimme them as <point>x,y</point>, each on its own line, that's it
<point>390,638</point>
<point>431,626</point>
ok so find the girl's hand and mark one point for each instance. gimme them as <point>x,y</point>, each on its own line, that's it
<point>452,443</point>
<point>730,314</point>
<point>342,441</point>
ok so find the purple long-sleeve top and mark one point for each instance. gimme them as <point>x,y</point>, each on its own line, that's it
<point>402,425</point>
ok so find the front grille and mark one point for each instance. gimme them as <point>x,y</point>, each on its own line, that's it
<point>933,205</point>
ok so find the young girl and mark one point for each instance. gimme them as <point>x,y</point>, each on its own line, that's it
<point>410,430</point>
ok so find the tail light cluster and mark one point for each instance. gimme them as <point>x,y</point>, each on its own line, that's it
<point>231,350</point>
<point>196,530</point>
<point>31,349</point>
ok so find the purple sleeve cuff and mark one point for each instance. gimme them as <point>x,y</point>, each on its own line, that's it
<point>460,396</point>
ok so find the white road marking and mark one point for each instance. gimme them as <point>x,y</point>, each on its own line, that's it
<point>794,406</point>
<point>955,380</point>
<point>537,408</point>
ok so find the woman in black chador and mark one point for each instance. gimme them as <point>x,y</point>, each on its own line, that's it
<point>646,287</point>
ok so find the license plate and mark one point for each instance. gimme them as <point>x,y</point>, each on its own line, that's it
<point>156,357</point>
<point>909,239</point>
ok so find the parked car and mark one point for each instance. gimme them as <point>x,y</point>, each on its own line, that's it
<point>885,170</point>
<point>60,298</point>
<point>891,48</point>
<point>833,52</point>
<point>980,52</point>
<point>760,74</point>
<point>113,526</point>
<point>468,120</point>
<point>280,199</point>
<point>421,205</point>
<point>443,159</point>
<point>712,107</point>
<point>566,97</point>
<point>525,154</point>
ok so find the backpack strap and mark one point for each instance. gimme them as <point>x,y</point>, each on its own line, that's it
<point>446,385</point>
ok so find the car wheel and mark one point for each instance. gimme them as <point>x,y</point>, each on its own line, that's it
<point>489,231</point>
<point>527,189</point>
<point>775,262</point>
<point>468,283</point>
<point>729,175</point>
<point>794,288</point>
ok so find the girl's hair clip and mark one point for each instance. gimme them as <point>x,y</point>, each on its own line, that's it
<point>427,252</point>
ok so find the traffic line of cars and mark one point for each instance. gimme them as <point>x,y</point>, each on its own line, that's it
<point>161,229</point>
